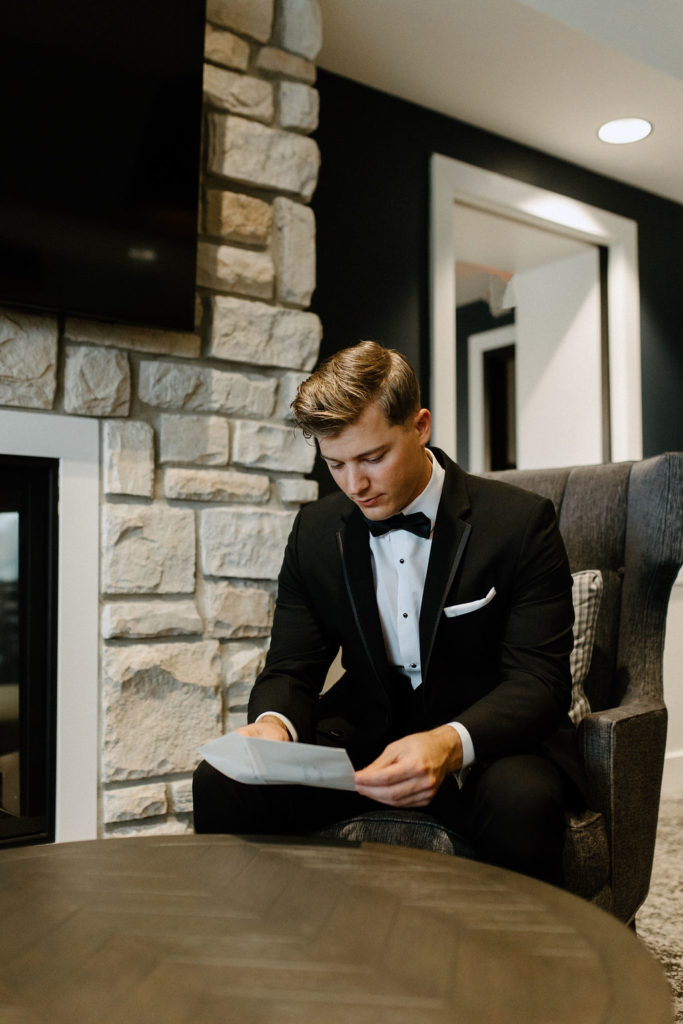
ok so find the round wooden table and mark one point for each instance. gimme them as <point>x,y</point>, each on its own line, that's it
<point>226,930</point>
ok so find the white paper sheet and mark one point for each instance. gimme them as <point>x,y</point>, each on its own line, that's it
<point>259,762</point>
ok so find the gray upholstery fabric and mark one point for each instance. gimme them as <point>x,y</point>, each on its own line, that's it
<point>593,516</point>
<point>399,828</point>
<point>599,683</point>
<point>539,480</point>
<point>585,856</point>
<point>625,519</point>
<point>623,751</point>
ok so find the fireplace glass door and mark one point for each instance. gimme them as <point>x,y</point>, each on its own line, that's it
<point>28,575</point>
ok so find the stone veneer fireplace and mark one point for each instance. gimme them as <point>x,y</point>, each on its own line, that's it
<point>180,473</point>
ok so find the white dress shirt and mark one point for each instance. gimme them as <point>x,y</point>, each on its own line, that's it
<point>399,568</point>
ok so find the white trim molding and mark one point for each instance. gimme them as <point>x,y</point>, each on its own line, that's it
<point>455,181</point>
<point>75,442</point>
<point>673,651</point>
<point>672,779</point>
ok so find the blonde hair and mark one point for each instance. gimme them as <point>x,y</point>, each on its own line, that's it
<point>344,385</point>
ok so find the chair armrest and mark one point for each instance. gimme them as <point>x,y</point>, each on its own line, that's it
<point>623,751</point>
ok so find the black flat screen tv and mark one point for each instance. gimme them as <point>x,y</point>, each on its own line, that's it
<point>100,112</point>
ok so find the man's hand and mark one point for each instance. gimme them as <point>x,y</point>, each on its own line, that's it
<point>409,771</point>
<point>267,728</point>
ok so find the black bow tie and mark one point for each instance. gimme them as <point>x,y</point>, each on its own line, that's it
<point>417,523</point>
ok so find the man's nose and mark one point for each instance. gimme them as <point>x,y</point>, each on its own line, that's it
<point>358,480</point>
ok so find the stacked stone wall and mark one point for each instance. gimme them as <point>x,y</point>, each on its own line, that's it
<point>202,472</point>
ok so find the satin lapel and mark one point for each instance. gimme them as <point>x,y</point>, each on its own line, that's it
<point>451,534</point>
<point>354,548</point>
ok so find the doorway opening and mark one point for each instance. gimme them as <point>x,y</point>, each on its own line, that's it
<point>604,403</point>
<point>550,287</point>
<point>500,408</point>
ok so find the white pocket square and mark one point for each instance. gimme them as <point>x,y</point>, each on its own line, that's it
<point>469,606</point>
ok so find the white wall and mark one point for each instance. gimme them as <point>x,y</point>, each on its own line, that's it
<point>559,389</point>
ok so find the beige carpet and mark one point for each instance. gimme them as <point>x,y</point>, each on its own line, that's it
<point>660,919</point>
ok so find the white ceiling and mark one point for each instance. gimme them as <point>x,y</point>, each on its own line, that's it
<point>509,245</point>
<point>492,248</point>
<point>545,73</point>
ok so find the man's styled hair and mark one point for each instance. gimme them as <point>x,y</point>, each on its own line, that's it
<point>350,380</point>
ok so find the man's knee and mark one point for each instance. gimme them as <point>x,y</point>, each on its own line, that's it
<point>518,816</point>
<point>208,798</point>
<point>225,806</point>
<point>222,804</point>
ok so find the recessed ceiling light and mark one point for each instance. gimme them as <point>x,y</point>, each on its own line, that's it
<point>625,129</point>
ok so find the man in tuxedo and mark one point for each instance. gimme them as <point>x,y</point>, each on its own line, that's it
<point>449,596</point>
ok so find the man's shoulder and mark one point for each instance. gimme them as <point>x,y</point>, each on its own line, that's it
<point>487,492</point>
<point>315,531</point>
<point>332,509</point>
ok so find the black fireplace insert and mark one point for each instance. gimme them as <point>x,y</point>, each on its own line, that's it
<point>28,645</point>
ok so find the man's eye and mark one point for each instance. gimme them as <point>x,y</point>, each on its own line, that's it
<point>377,458</point>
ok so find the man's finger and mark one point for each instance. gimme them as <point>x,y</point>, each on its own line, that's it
<point>398,789</point>
<point>387,775</point>
<point>398,796</point>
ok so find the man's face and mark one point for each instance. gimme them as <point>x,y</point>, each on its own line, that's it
<point>380,466</point>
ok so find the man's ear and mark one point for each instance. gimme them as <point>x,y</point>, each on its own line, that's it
<point>423,425</point>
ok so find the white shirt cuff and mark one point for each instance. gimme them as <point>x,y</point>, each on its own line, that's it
<point>467,744</point>
<point>285,721</point>
<point>467,752</point>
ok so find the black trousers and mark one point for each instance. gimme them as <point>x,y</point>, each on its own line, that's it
<point>511,812</point>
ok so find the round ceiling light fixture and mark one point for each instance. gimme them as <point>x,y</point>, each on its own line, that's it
<point>625,129</point>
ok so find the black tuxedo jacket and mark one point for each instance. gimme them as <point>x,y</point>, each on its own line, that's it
<point>502,670</point>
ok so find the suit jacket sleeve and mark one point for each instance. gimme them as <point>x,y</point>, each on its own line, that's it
<point>301,649</point>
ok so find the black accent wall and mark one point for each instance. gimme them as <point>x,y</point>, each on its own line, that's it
<point>372,212</point>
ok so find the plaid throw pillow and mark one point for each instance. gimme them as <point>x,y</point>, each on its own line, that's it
<point>586,595</point>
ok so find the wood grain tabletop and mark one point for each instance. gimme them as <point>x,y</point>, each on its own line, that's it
<point>227,930</point>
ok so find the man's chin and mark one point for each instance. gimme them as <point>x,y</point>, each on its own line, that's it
<point>374,512</point>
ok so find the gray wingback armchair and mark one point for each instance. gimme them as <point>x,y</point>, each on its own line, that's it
<point>624,519</point>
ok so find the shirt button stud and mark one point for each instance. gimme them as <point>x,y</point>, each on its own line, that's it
<point>405,615</point>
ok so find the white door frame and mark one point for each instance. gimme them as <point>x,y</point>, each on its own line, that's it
<point>477,345</point>
<point>455,181</point>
